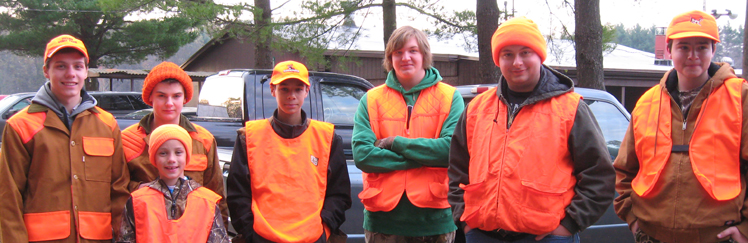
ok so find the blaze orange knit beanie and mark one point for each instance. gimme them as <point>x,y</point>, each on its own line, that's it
<point>518,31</point>
<point>164,71</point>
<point>165,133</point>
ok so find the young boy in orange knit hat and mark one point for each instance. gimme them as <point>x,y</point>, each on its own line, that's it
<point>681,168</point>
<point>193,214</point>
<point>528,162</point>
<point>288,180</point>
<point>167,88</point>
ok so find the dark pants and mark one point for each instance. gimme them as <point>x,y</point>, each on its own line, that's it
<point>476,236</point>
<point>642,237</point>
<point>374,237</point>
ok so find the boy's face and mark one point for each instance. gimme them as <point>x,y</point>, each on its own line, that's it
<point>520,65</point>
<point>171,158</point>
<point>290,95</point>
<point>692,57</point>
<point>66,72</point>
<point>167,99</point>
<point>408,61</point>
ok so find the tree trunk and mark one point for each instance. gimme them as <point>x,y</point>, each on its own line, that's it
<point>589,44</point>
<point>745,44</point>
<point>264,34</point>
<point>487,14</point>
<point>92,84</point>
<point>389,20</point>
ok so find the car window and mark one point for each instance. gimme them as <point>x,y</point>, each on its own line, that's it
<point>612,121</point>
<point>21,104</point>
<point>137,102</point>
<point>104,102</point>
<point>121,102</point>
<point>340,102</point>
<point>114,102</point>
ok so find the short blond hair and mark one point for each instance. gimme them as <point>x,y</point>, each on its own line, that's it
<point>398,39</point>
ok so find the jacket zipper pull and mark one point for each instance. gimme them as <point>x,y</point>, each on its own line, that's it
<point>407,124</point>
<point>684,125</point>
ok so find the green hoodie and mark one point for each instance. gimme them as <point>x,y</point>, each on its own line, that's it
<point>406,153</point>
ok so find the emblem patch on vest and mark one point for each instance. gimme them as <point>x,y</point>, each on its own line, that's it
<point>314,160</point>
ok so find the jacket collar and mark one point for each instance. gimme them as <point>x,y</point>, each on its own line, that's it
<point>45,97</point>
<point>430,79</point>
<point>718,73</point>
<point>147,120</point>
<point>552,83</point>
<point>288,131</point>
<point>183,187</point>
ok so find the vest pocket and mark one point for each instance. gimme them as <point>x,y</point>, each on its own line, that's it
<point>98,159</point>
<point>47,226</point>
<point>542,207</point>
<point>474,198</point>
<point>95,225</point>
<point>198,162</point>
<point>372,189</point>
<point>539,222</point>
<point>439,190</point>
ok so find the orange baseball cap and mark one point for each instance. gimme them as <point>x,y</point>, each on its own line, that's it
<point>693,24</point>
<point>289,70</point>
<point>64,41</point>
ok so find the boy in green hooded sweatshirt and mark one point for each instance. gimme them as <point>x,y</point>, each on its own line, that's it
<point>401,138</point>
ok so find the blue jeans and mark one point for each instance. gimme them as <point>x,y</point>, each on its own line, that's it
<point>476,236</point>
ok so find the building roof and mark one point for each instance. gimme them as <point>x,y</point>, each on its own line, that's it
<point>136,74</point>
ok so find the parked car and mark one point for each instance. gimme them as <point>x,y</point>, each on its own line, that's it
<point>116,102</point>
<point>12,104</point>
<point>613,120</point>
<point>119,103</point>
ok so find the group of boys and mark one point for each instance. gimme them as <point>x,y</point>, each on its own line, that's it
<point>523,162</point>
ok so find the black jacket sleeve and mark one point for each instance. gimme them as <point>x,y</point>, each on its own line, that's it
<point>593,170</point>
<point>338,192</point>
<point>239,189</point>
<point>458,169</point>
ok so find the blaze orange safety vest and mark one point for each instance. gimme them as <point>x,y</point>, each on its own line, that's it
<point>55,225</point>
<point>288,174</point>
<point>152,224</point>
<point>521,178</point>
<point>714,148</point>
<point>426,187</point>
<point>134,144</point>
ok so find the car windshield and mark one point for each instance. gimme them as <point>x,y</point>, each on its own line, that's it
<point>612,122</point>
